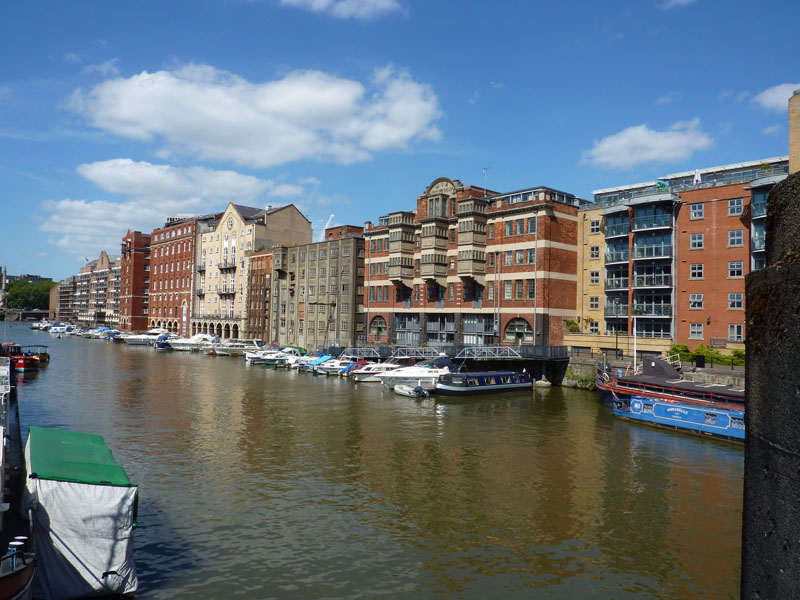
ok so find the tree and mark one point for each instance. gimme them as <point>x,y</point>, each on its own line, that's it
<point>24,294</point>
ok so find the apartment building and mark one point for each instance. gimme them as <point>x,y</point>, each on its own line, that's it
<point>676,251</point>
<point>222,247</point>
<point>65,309</point>
<point>96,299</point>
<point>134,286</point>
<point>473,267</point>
<point>317,291</point>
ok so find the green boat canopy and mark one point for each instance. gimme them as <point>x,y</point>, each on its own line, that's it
<point>73,456</point>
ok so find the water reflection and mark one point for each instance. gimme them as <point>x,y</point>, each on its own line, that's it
<point>308,486</point>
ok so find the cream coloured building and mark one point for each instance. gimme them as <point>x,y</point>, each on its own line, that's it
<point>222,250</point>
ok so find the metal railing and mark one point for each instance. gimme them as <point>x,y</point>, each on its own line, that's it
<point>616,310</point>
<point>655,251</point>
<point>617,229</point>
<point>662,280</point>
<point>652,310</point>
<point>621,256</point>
<point>758,209</point>
<point>617,283</point>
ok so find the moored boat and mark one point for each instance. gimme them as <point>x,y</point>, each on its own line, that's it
<point>412,391</point>
<point>483,382</point>
<point>37,352</point>
<point>18,359</point>
<point>659,395</point>
<point>145,339</point>
<point>193,344</point>
<point>369,373</point>
<point>425,373</point>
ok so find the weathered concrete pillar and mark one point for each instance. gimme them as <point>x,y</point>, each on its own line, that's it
<point>771,514</point>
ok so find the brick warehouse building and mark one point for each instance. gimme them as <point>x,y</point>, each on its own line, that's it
<point>134,281</point>
<point>472,267</point>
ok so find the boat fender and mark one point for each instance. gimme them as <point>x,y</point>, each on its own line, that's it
<point>606,378</point>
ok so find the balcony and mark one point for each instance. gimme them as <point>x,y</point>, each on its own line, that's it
<point>401,272</point>
<point>201,268</point>
<point>617,256</point>
<point>758,209</point>
<point>471,267</point>
<point>656,251</point>
<point>201,293</point>
<point>617,283</point>
<point>758,243</point>
<point>471,237</point>
<point>652,310</point>
<point>226,291</point>
<point>616,310</point>
<point>617,230</point>
<point>227,265</point>
<point>439,243</point>
<point>660,280</point>
<point>651,222</point>
<point>401,247</point>
<point>433,270</point>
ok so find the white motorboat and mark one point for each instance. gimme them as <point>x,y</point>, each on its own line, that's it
<point>233,347</point>
<point>194,343</point>
<point>424,374</point>
<point>145,339</point>
<point>369,372</point>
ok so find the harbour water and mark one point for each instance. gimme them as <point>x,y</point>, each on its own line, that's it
<point>261,483</point>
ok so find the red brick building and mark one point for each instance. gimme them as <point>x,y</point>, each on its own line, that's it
<point>472,267</point>
<point>134,281</point>
<point>259,279</point>
<point>171,281</point>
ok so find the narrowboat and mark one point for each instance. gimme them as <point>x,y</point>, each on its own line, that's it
<point>482,382</point>
<point>658,395</point>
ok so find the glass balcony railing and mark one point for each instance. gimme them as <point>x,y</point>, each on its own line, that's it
<point>620,256</point>
<point>758,209</point>
<point>655,251</point>
<point>652,310</point>
<point>659,280</point>
<point>616,310</point>
<point>651,222</point>
<point>757,243</point>
<point>617,229</point>
<point>617,283</point>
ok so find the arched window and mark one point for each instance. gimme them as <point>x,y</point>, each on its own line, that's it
<point>518,331</point>
<point>378,327</point>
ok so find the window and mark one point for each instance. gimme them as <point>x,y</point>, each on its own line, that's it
<point>695,301</point>
<point>696,242</point>
<point>594,302</point>
<point>696,331</point>
<point>507,290</point>
<point>520,257</point>
<point>508,258</point>
<point>520,226</point>
<point>594,327</point>
<point>489,233</point>
<point>489,259</point>
<point>736,238</point>
<point>452,262</point>
<point>509,228</point>
<point>451,295</point>
<point>594,252</point>
<point>735,332</point>
<point>531,256</point>
<point>735,301</point>
<point>735,207</point>
<point>531,224</point>
<point>531,289</point>
<point>594,227</point>
<point>696,271</point>
<point>735,269</point>
<point>453,235</point>
<point>594,277</point>
<point>518,290</point>
<point>696,211</point>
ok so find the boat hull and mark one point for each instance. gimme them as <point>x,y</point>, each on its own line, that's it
<point>711,420</point>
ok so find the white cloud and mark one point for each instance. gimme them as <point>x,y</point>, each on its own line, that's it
<point>640,144</point>
<point>777,97</point>
<point>347,9</point>
<point>671,97</point>
<point>73,58</point>
<point>214,115</point>
<point>771,129</point>
<point>106,68</point>
<point>668,4</point>
<point>151,192</point>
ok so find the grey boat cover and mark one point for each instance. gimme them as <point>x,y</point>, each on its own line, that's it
<point>84,512</point>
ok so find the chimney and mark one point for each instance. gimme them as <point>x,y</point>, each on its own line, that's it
<point>794,133</point>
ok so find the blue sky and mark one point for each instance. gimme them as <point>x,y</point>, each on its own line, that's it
<point>118,114</point>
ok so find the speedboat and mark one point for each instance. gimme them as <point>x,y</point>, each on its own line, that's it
<point>193,344</point>
<point>425,373</point>
<point>233,347</point>
<point>145,339</point>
